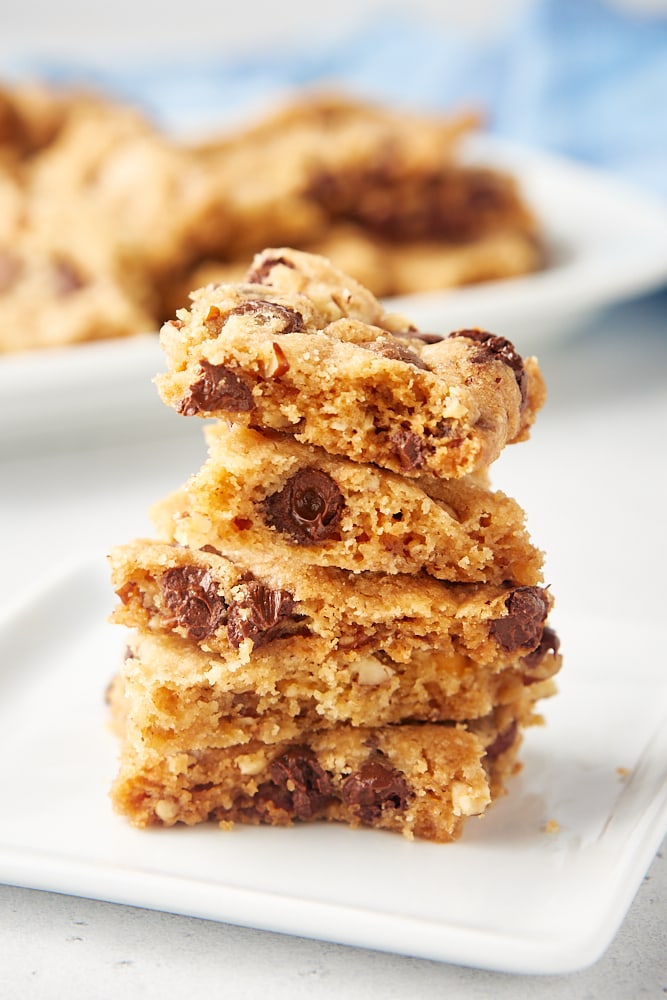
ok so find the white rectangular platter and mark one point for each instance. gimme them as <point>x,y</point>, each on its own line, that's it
<point>508,896</point>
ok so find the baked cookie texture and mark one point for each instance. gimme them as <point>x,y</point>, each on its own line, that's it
<point>338,618</point>
<point>301,348</point>
<point>252,496</point>
<point>137,217</point>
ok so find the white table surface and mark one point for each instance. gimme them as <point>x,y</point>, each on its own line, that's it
<point>593,480</point>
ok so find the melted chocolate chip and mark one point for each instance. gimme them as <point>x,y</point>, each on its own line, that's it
<point>261,614</point>
<point>395,351</point>
<point>191,594</point>
<point>427,338</point>
<point>218,388</point>
<point>448,203</point>
<point>499,349</point>
<point>269,798</point>
<point>301,782</point>
<point>523,626</point>
<point>376,786</point>
<point>258,275</point>
<point>548,643</point>
<point>503,741</point>
<point>308,508</point>
<point>266,312</point>
<point>408,448</point>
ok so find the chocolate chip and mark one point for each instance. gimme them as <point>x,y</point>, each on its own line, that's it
<point>258,275</point>
<point>503,741</point>
<point>266,312</point>
<point>408,448</point>
<point>427,338</point>
<point>308,508</point>
<point>218,388</point>
<point>522,627</point>
<point>376,786</point>
<point>548,643</point>
<point>191,594</point>
<point>268,799</point>
<point>500,349</point>
<point>448,203</point>
<point>298,773</point>
<point>395,351</point>
<point>260,614</point>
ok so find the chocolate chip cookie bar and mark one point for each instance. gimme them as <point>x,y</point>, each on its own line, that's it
<point>300,348</point>
<point>421,781</point>
<point>258,492</point>
<point>231,608</point>
<point>181,697</point>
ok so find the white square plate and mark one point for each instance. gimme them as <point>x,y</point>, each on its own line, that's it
<point>507,896</point>
<point>607,243</point>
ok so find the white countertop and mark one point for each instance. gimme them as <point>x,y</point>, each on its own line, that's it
<point>593,480</point>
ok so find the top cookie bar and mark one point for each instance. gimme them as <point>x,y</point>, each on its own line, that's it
<point>302,348</point>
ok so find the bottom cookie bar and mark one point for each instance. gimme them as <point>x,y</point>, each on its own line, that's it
<point>419,780</point>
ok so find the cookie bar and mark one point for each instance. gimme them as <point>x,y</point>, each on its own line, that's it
<point>259,492</point>
<point>421,781</point>
<point>224,606</point>
<point>180,697</point>
<point>366,185</point>
<point>289,173</point>
<point>303,349</point>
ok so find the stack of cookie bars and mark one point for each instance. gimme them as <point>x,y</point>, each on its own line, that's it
<point>338,617</point>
